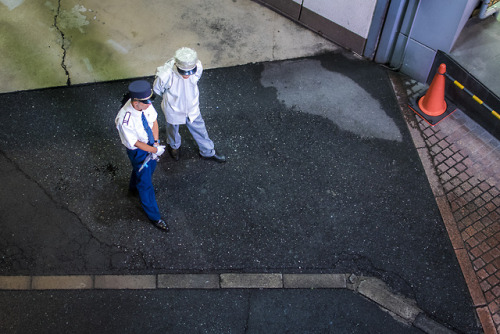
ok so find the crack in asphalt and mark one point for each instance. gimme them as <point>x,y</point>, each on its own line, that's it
<point>248,311</point>
<point>63,61</point>
<point>57,204</point>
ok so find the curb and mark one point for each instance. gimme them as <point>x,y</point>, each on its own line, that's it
<point>464,261</point>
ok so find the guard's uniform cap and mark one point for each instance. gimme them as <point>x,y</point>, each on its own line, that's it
<point>140,90</point>
<point>185,61</point>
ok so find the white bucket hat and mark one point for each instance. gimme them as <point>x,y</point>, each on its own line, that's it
<point>185,60</point>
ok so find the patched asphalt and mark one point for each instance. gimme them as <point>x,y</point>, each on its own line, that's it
<point>322,177</point>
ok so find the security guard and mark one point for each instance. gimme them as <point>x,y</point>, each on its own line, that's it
<point>138,128</point>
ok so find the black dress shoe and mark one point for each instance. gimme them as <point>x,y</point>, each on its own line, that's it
<point>174,153</point>
<point>161,224</point>
<point>216,157</point>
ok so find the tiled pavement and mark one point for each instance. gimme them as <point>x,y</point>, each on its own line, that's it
<point>464,161</point>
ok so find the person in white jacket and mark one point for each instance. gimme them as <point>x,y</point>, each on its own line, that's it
<point>177,82</point>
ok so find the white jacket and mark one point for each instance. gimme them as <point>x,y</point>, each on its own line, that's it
<point>180,96</point>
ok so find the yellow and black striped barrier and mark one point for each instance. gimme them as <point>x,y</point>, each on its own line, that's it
<point>474,97</point>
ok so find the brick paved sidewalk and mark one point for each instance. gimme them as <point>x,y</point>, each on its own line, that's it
<point>463,159</point>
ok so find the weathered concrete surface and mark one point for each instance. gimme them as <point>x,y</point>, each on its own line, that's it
<point>55,43</point>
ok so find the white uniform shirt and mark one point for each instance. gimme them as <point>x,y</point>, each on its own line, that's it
<point>180,96</point>
<point>130,127</point>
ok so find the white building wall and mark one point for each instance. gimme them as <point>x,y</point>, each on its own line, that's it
<point>353,15</point>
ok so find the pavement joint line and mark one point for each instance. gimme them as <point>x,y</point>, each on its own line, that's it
<point>179,281</point>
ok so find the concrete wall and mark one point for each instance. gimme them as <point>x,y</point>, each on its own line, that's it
<point>346,23</point>
<point>353,15</point>
<point>420,29</point>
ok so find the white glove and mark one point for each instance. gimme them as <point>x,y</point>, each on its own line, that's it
<point>161,150</point>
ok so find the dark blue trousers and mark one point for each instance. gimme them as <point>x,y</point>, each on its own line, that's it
<point>143,182</point>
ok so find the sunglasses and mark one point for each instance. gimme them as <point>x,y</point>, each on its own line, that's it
<point>188,72</point>
<point>148,100</point>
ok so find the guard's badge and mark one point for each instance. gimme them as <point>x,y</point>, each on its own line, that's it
<point>126,118</point>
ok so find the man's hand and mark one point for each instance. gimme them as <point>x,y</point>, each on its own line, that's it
<point>160,150</point>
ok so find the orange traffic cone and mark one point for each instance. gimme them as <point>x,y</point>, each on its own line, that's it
<point>433,103</point>
<point>432,107</point>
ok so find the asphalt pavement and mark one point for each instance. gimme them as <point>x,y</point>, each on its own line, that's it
<point>193,311</point>
<point>322,177</point>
